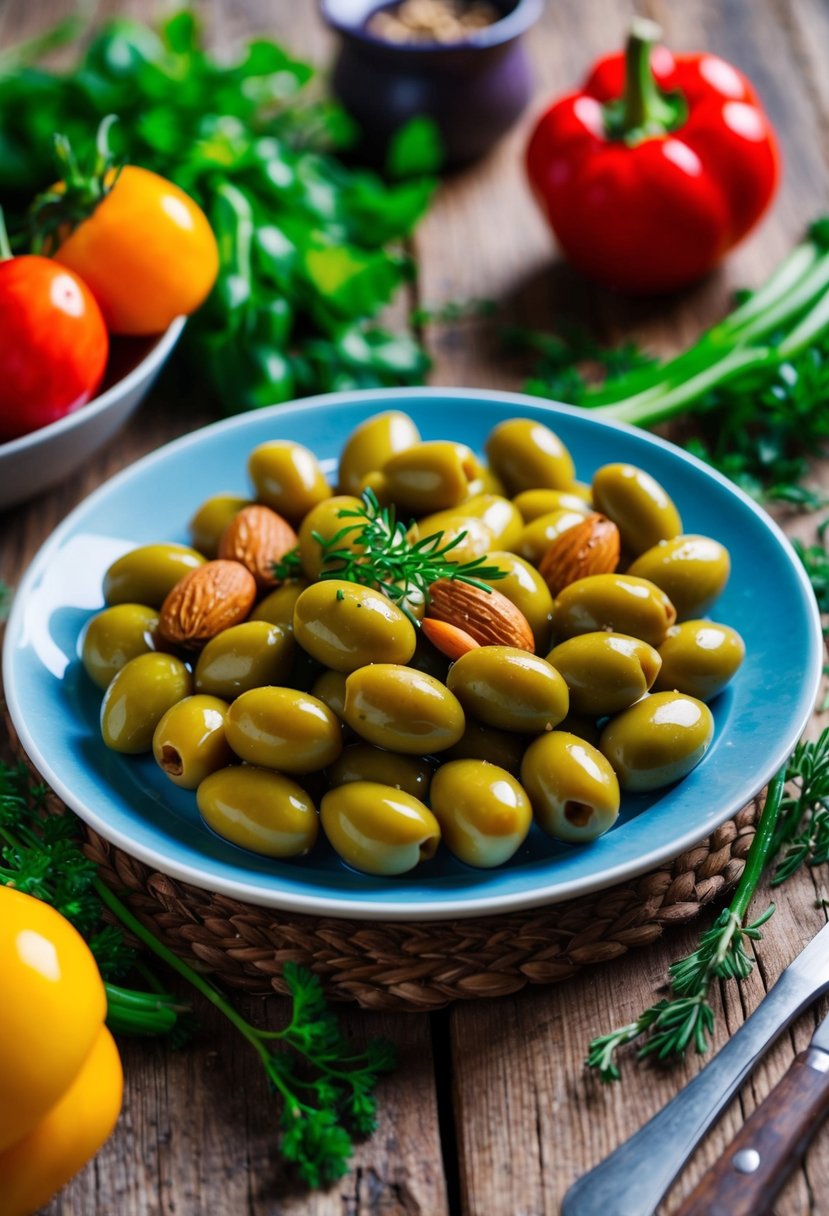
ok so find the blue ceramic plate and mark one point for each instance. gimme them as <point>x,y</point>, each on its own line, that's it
<point>129,801</point>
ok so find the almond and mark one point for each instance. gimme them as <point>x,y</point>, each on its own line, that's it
<point>591,547</point>
<point>257,537</point>
<point>487,616</point>
<point>206,601</point>
<point>448,639</point>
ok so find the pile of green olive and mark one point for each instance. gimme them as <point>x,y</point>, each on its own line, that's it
<point>327,705</point>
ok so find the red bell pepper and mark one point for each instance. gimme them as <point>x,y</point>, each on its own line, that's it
<point>656,168</point>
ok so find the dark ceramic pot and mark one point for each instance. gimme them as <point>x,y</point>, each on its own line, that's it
<point>474,90</point>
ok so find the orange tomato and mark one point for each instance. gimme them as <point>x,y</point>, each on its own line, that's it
<point>52,1008</point>
<point>32,1170</point>
<point>147,253</point>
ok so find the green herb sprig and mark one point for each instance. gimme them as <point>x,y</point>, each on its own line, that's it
<point>375,550</point>
<point>325,1085</point>
<point>685,1018</point>
<point>797,820</point>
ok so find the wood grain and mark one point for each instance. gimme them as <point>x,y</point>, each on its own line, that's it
<point>490,1113</point>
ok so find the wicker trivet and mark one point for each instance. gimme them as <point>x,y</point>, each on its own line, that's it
<point>419,966</point>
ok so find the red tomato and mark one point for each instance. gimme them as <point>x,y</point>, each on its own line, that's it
<point>53,344</point>
<point>146,252</point>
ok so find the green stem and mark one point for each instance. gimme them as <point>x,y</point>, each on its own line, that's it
<point>119,909</point>
<point>666,399</point>
<point>29,51</point>
<point>6,254</point>
<point>761,846</point>
<point>810,288</point>
<point>644,109</point>
<point>139,1013</point>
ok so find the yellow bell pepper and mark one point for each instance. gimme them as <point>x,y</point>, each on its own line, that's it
<point>60,1075</point>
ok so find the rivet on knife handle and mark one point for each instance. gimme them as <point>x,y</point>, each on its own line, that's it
<point>746,1180</point>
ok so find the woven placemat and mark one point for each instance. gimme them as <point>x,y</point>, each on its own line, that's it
<point>419,966</point>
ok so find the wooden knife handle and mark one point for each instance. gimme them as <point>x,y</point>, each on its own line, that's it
<point>746,1180</point>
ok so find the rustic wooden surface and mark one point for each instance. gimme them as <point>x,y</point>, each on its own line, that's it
<point>490,1112</point>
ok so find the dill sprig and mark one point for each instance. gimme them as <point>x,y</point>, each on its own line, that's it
<point>685,1018</point>
<point>375,550</point>
<point>326,1086</point>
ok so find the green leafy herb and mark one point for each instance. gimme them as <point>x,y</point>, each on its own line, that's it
<point>415,148</point>
<point>326,1086</point>
<point>815,559</point>
<point>685,1018</point>
<point>5,600</point>
<point>756,383</point>
<point>288,567</point>
<point>376,551</point>
<point>309,247</point>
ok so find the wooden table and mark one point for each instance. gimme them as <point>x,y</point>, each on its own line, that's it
<point>490,1112</point>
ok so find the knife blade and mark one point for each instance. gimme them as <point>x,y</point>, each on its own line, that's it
<point>633,1179</point>
<point>750,1174</point>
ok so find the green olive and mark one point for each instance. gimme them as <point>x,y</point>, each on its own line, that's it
<point>502,517</point>
<point>480,742</point>
<point>691,570</point>
<point>537,536</point>
<point>484,814</point>
<point>378,829</point>
<point>402,709</point>
<point>527,455</point>
<point>278,607</point>
<point>573,790</point>
<point>115,636</point>
<point>534,503</point>
<point>345,625</point>
<point>362,762</point>
<point>430,476</point>
<point>211,519</point>
<point>326,520</point>
<point>283,728</point>
<point>148,574</point>
<point>287,477</point>
<point>371,444</point>
<point>509,689</point>
<point>472,534</point>
<point>525,588</point>
<point>605,672</point>
<point>658,740</point>
<point>138,697</point>
<point>699,658</point>
<point>621,603</point>
<point>259,810</point>
<point>189,742</point>
<point>638,505</point>
<point>243,657</point>
<point>329,687</point>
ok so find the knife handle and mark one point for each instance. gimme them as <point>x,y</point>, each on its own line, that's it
<point>747,1178</point>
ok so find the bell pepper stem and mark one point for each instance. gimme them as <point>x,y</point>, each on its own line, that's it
<point>644,108</point>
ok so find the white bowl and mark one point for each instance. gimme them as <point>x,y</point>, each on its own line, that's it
<point>36,461</point>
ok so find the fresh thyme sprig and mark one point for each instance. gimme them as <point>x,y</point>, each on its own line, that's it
<point>325,1085</point>
<point>375,550</point>
<point>685,1017</point>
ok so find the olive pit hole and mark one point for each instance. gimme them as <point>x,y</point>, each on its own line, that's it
<point>428,848</point>
<point>171,761</point>
<point>578,813</point>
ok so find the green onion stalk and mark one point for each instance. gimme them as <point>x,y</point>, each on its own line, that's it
<point>771,327</point>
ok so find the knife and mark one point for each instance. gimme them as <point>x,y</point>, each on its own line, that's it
<point>751,1173</point>
<point>633,1179</point>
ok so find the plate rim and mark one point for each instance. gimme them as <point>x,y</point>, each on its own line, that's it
<point>345,907</point>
